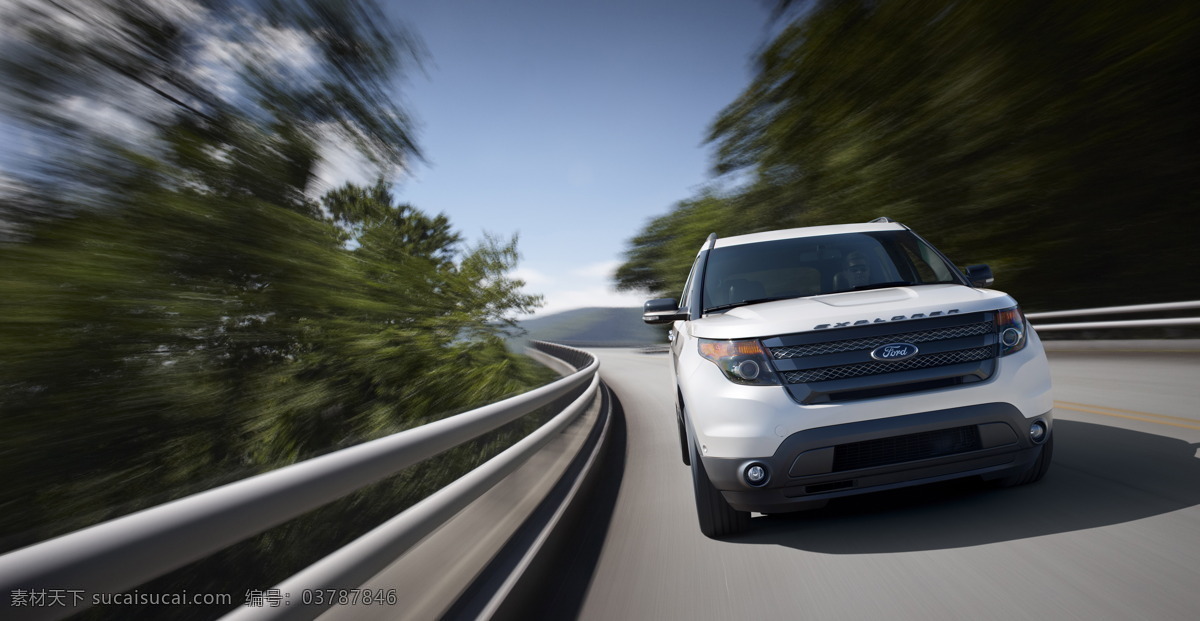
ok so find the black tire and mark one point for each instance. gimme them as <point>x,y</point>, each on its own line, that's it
<point>1036,471</point>
<point>683,443</point>
<point>717,518</point>
<point>685,449</point>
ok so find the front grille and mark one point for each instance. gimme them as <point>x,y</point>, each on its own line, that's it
<point>900,449</point>
<point>876,368</point>
<point>823,366</point>
<point>924,336</point>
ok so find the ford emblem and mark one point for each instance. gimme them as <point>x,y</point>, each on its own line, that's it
<point>894,352</point>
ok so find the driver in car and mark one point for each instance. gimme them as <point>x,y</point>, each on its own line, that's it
<point>857,272</point>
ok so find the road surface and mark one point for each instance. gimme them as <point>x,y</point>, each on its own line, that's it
<point>1112,532</point>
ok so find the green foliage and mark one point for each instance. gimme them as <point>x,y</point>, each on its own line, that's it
<point>179,310</point>
<point>661,255</point>
<point>182,337</point>
<point>1053,140</point>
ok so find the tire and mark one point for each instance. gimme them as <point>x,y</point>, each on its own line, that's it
<point>685,449</point>
<point>717,518</point>
<point>683,443</point>
<point>1036,471</point>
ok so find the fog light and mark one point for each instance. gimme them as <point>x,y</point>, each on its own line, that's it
<point>756,474</point>
<point>1037,432</point>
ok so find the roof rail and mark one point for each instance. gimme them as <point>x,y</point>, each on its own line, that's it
<point>882,219</point>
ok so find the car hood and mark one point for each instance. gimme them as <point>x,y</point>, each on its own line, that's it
<point>850,308</point>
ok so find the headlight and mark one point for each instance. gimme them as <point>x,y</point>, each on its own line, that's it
<point>1011,328</point>
<point>743,362</point>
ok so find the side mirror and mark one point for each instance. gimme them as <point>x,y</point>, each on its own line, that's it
<point>662,310</point>
<point>979,275</point>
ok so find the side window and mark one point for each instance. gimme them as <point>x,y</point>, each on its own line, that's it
<point>918,262</point>
<point>936,262</point>
<point>686,296</point>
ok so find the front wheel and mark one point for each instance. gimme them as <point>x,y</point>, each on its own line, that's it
<point>717,518</point>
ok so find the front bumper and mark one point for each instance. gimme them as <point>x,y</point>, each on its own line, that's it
<point>815,465</point>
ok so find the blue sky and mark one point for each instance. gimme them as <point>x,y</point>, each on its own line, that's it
<point>571,124</point>
<point>568,123</point>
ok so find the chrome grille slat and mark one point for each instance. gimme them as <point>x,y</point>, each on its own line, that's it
<point>876,368</point>
<point>923,336</point>
<point>836,365</point>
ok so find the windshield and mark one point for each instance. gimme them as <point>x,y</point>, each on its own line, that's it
<point>789,268</point>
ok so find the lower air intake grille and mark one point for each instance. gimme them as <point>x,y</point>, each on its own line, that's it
<point>899,449</point>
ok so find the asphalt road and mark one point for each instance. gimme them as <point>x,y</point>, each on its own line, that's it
<point>1112,532</point>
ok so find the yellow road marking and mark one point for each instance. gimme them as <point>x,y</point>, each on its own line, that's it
<point>1142,416</point>
<point>1105,407</point>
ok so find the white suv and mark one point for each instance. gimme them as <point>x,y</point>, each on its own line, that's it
<point>828,361</point>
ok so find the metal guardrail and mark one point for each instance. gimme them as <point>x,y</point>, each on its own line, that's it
<point>152,542</point>
<point>125,552</point>
<point>1037,318</point>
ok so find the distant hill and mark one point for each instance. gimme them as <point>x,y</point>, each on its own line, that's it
<point>595,327</point>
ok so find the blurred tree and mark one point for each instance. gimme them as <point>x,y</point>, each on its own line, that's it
<point>183,302</point>
<point>661,256</point>
<point>1053,140</point>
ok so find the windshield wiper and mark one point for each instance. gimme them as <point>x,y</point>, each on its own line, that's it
<point>748,302</point>
<point>883,285</point>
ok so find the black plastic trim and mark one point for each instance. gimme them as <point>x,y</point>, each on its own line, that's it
<point>695,305</point>
<point>803,465</point>
<point>894,383</point>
